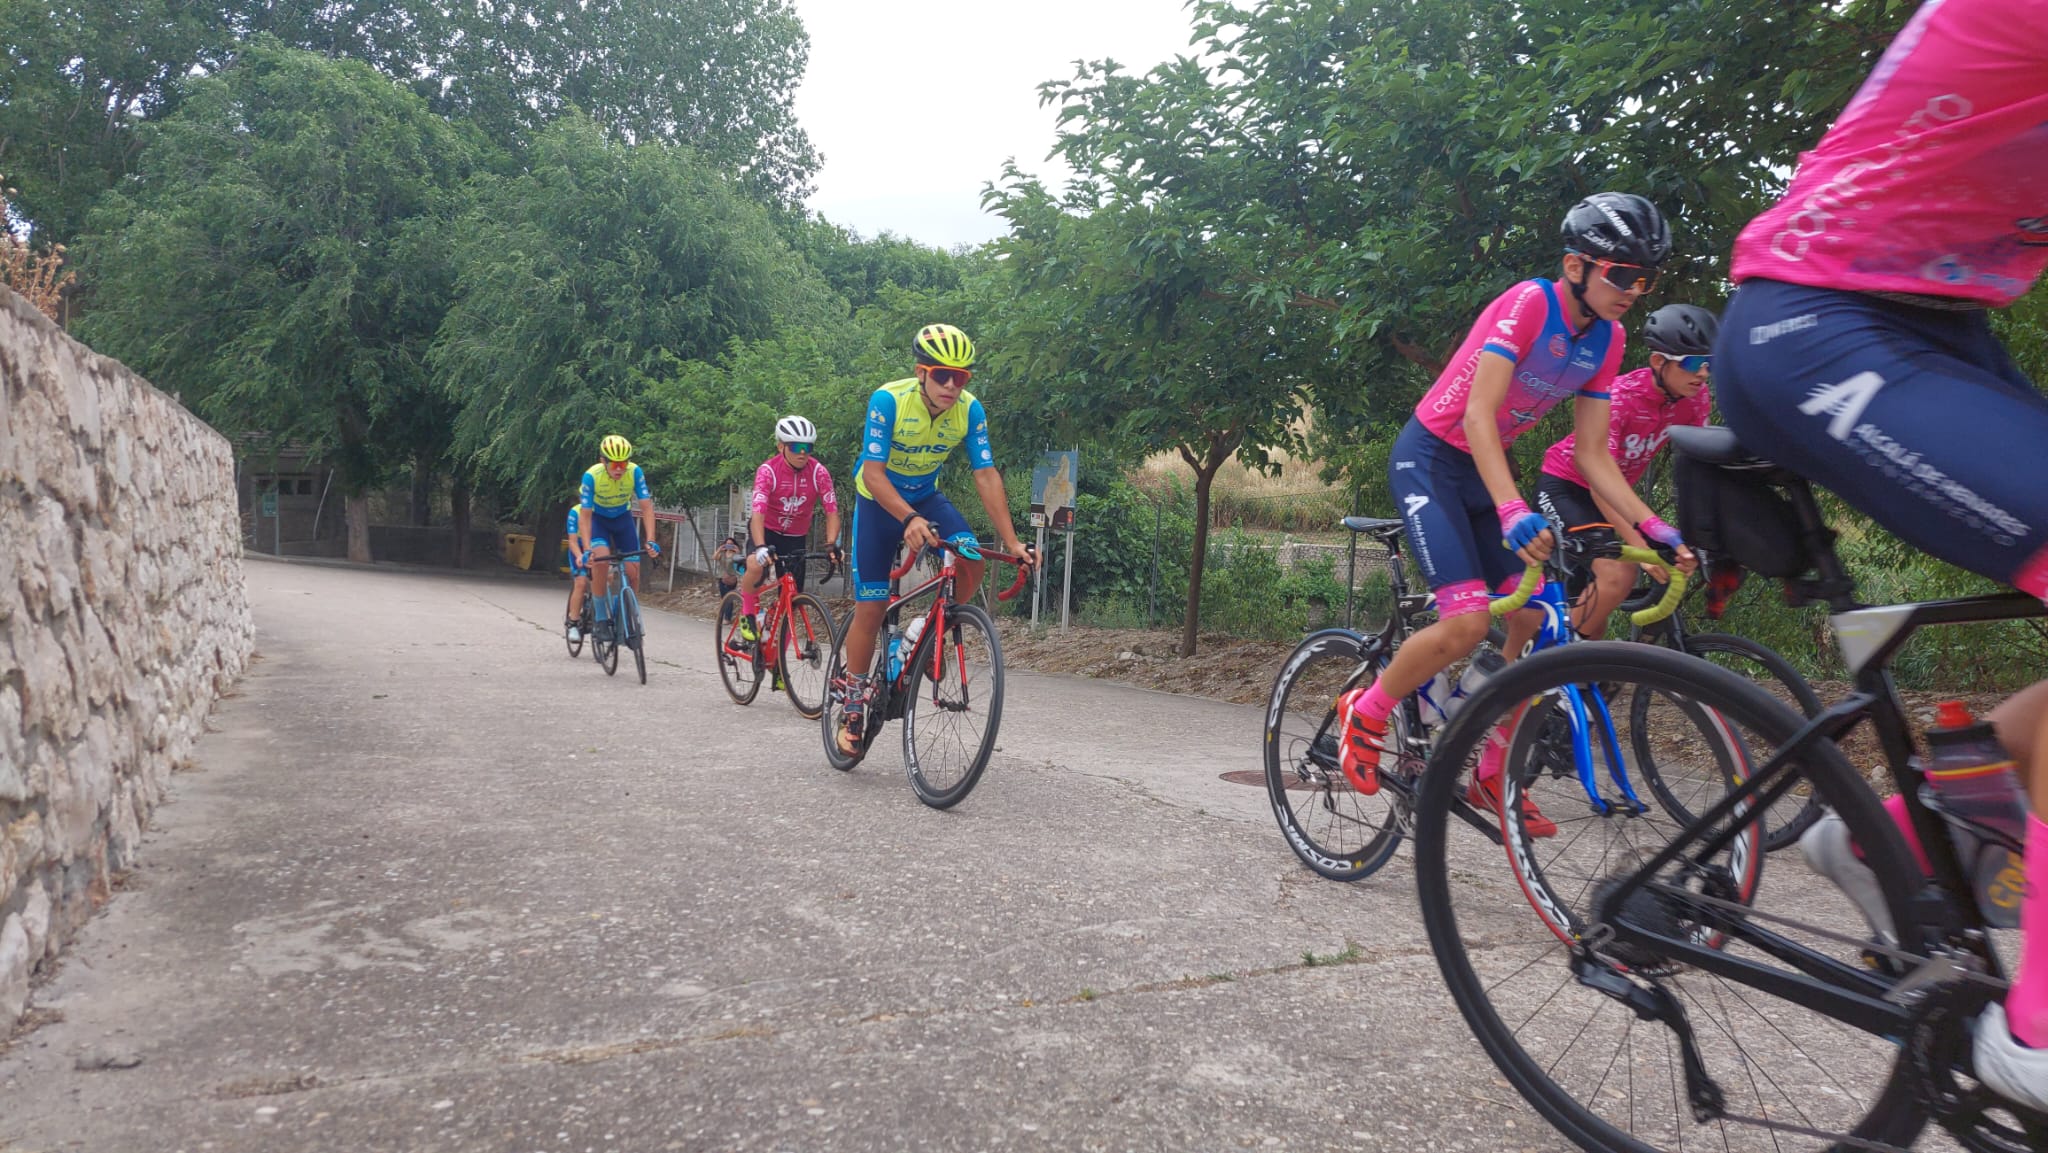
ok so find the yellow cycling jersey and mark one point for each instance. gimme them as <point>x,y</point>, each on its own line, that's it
<point>912,443</point>
<point>608,497</point>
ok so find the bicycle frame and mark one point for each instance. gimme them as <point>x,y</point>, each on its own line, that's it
<point>935,616</point>
<point>1856,997</point>
<point>782,619</point>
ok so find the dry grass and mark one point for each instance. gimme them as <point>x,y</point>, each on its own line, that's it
<point>40,277</point>
<point>1297,499</point>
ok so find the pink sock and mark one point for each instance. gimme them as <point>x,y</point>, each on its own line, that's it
<point>2026,1006</point>
<point>1895,806</point>
<point>1493,756</point>
<point>1375,705</point>
<point>750,603</point>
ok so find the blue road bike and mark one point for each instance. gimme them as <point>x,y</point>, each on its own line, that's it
<point>1347,836</point>
<point>619,625</point>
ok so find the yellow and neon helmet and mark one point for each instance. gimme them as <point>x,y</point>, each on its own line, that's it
<point>616,447</point>
<point>943,345</point>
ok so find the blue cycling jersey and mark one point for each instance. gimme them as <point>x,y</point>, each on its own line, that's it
<point>911,443</point>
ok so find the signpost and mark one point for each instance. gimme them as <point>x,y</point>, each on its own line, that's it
<point>1055,483</point>
<point>276,525</point>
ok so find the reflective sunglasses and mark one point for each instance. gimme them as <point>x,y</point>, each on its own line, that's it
<point>950,377</point>
<point>797,446</point>
<point>1627,277</point>
<point>1698,362</point>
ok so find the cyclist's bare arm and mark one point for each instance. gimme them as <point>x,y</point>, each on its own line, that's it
<point>988,485</point>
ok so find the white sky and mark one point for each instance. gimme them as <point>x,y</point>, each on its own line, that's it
<point>915,104</point>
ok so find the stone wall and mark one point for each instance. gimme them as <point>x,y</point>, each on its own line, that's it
<point>123,615</point>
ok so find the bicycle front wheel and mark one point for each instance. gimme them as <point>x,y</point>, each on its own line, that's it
<point>604,643</point>
<point>1597,1031</point>
<point>837,688</point>
<point>805,649</point>
<point>636,636</point>
<point>1331,827</point>
<point>1683,794</point>
<point>953,707</point>
<point>734,653</point>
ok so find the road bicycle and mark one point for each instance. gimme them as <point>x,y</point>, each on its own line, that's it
<point>623,618</point>
<point>1681,1015</point>
<point>1347,836</point>
<point>949,681</point>
<point>1787,820</point>
<point>798,638</point>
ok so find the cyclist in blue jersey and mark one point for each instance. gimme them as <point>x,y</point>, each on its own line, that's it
<point>579,577</point>
<point>612,491</point>
<point>913,425</point>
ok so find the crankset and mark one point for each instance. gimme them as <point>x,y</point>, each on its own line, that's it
<point>1940,1046</point>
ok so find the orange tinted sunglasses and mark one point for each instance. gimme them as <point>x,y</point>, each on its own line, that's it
<point>950,377</point>
<point>1627,277</point>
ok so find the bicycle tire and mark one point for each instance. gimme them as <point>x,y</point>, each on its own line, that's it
<point>1780,830</point>
<point>806,644</point>
<point>1892,1115</point>
<point>742,677</point>
<point>1299,773</point>
<point>636,636</point>
<point>828,717</point>
<point>605,650</point>
<point>936,663</point>
<point>582,632</point>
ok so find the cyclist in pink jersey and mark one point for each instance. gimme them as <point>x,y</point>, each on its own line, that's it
<point>1856,352</point>
<point>1539,342</point>
<point>788,488</point>
<point>1672,390</point>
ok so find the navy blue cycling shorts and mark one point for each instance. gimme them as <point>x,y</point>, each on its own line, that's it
<point>619,532</point>
<point>876,536</point>
<point>1915,416</point>
<point>1452,528</point>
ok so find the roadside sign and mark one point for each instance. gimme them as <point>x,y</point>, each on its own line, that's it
<point>270,502</point>
<point>1054,484</point>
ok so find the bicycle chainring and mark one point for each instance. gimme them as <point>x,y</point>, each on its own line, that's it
<point>1939,1047</point>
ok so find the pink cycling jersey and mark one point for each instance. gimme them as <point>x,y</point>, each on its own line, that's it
<point>1527,325</point>
<point>1934,181</point>
<point>1637,426</point>
<point>787,498</point>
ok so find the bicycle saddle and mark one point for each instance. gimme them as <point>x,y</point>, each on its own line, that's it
<point>1376,525</point>
<point>1713,444</point>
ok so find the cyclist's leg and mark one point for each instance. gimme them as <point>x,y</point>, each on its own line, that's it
<point>755,570</point>
<point>790,549</point>
<point>876,536</point>
<point>1920,420</point>
<point>600,568</point>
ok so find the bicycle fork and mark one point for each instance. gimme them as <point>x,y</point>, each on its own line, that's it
<point>1585,702</point>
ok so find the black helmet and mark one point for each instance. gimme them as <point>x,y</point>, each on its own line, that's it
<point>1681,330</point>
<point>1617,226</point>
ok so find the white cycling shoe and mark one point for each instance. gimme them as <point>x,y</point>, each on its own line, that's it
<point>2014,1071</point>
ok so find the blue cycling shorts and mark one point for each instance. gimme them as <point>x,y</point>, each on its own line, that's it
<point>1452,528</point>
<point>619,532</point>
<point>1916,416</point>
<point>876,536</point>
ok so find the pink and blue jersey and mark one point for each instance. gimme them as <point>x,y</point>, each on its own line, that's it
<point>1934,181</point>
<point>1526,325</point>
<point>788,498</point>
<point>1638,424</point>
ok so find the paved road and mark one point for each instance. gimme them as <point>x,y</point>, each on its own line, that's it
<point>432,885</point>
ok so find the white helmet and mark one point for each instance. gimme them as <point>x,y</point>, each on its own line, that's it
<point>796,429</point>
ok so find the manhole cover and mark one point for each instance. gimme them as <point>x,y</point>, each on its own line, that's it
<point>1253,777</point>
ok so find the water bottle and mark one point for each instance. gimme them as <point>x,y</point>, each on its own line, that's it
<point>1434,697</point>
<point>895,642</point>
<point>910,636</point>
<point>1973,782</point>
<point>1483,664</point>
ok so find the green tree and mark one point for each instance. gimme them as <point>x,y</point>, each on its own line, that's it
<point>599,269</point>
<point>78,78</point>
<point>271,260</point>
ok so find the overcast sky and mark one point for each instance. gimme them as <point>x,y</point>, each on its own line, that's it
<point>915,104</point>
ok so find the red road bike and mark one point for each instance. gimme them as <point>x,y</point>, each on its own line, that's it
<point>796,637</point>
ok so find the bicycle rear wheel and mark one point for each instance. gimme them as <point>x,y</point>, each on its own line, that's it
<point>805,648</point>
<point>582,631</point>
<point>953,707</point>
<point>836,689</point>
<point>736,657</point>
<point>1792,814</point>
<point>1584,1028</point>
<point>1332,828</point>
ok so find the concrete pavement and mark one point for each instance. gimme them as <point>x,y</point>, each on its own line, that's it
<point>433,885</point>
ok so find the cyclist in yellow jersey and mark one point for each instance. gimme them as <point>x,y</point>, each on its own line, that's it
<point>913,425</point>
<point>612,491</point>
